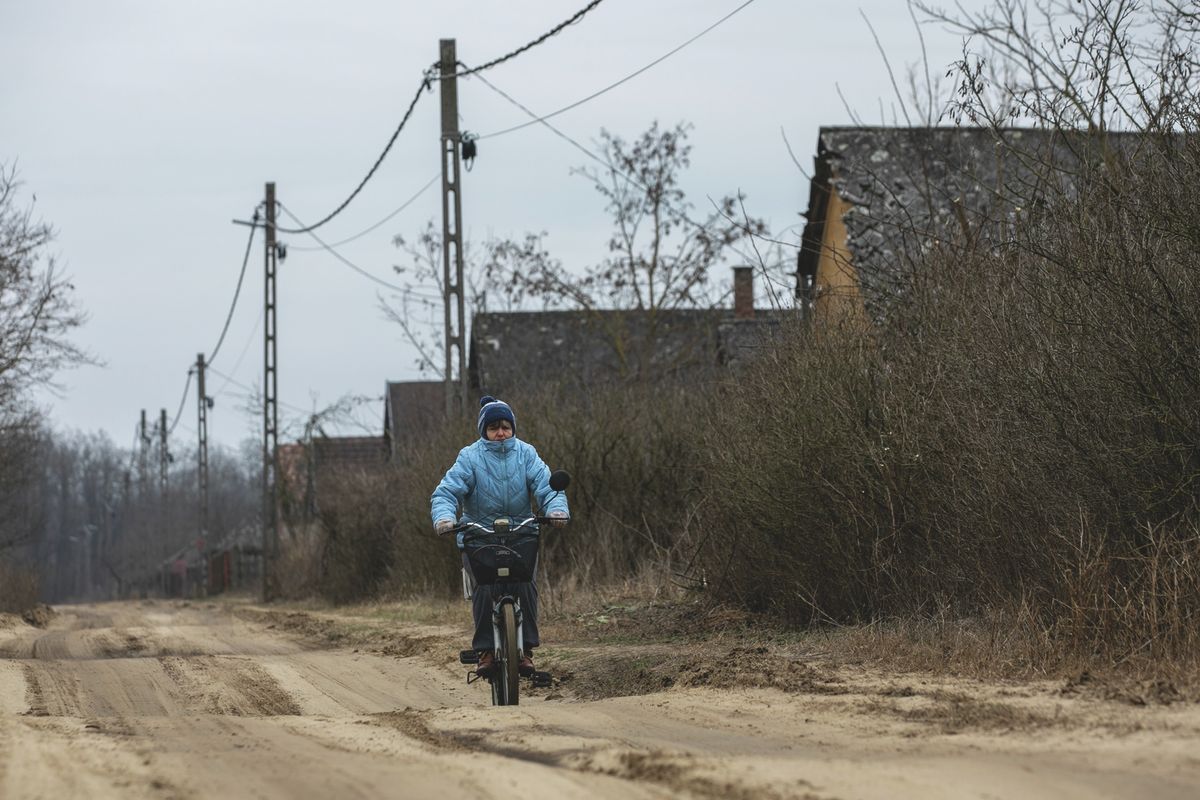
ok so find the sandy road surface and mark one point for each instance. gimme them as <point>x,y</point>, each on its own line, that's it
<point>157,700</point>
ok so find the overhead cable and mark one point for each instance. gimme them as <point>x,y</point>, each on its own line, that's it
<point>425,84</point>
<point>346,261</point>
<point>254,393</point>
<point>608,165</point>
<point>578,15</point>
<point>245,349</point>
<point>611,86</point>
<point>363,233</point>
<point>237,291</point>
<point>182,401</point>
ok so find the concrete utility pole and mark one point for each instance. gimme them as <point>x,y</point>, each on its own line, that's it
<point>452,257</point>
<point>270,532</point>
<point>143,454</point>
<point>164,455</point>
<point>202,406</point>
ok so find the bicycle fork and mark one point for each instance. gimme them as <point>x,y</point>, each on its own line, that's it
<point>498,615</point>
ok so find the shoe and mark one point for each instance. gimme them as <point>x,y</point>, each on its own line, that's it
<point>486,665</point>
<point>525,667</point>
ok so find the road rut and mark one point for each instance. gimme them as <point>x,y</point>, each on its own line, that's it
<point>188,700</point>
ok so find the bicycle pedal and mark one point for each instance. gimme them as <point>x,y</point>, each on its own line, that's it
<point>468,657</point>
<point>541,679</point>
<point>472,677</point>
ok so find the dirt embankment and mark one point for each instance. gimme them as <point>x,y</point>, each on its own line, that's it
<point>156,699</point>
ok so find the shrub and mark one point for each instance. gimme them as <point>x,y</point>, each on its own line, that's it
<point>1023,429</point>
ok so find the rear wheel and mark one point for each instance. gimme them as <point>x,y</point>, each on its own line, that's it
<point>509,676</point>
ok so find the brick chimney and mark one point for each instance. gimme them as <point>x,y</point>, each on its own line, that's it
<point>743,292</point>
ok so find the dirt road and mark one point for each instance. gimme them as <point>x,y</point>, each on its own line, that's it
<point>156,699</point>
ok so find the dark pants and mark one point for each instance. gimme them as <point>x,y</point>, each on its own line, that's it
<point>481,607</point>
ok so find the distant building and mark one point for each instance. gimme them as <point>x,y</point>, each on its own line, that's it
<point>510,350</point>
<point>410,407</point>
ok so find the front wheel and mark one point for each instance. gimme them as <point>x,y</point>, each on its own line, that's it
<point>506,685</point>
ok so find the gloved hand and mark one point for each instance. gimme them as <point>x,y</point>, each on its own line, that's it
<point>443,525</point>
<point>559,518</point>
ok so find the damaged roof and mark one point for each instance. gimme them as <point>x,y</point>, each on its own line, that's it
<point>911,186</point>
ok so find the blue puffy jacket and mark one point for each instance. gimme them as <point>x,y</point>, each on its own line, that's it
<point>495,479</point>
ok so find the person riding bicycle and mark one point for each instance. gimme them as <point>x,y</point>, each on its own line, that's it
<point>495,477</point>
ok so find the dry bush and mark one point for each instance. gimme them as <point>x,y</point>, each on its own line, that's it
<point>1022,433</point>
<point>1022,436</point>
<point>631,453</point>
<point>297,570</point>
<point>18,588</point>
<point>378,539</point>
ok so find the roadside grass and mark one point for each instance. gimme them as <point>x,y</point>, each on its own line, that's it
<point>627,639</point>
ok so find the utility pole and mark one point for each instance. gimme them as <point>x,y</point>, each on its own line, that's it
<point>270,532</point>
<point>143,454</point>
<point>452,257</point>
<point>202,469</point>
<point>164,455</point>
<point>164,515</point>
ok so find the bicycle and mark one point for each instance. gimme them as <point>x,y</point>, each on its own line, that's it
<point>505,555</point>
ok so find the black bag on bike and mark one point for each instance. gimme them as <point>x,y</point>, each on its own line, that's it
<point>502,558</point>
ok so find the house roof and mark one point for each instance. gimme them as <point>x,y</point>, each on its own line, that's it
<point>509,350</point>
<point>907,185</point>
<point>411,406</point>
<point>346,453</point>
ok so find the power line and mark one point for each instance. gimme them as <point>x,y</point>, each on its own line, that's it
<point>611,86</point>
<point>513,54</point>
<point>182,400</point>
<point>361,234</point>
<point>426,83</point>
<point>348,262</point>
<point>245,349</point>
<point>238,291</point>
<point>250,392</point>
<point>631,178</point>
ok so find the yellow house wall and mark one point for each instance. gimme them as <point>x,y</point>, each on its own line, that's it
<point>837,294</point>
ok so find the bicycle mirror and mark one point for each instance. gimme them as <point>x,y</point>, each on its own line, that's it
<point>559,479</point>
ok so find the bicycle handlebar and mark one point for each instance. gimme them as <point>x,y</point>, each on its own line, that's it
<point>484,530</point>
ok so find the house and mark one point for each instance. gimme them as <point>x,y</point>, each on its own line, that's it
<point>880,196</point>
<point>410,407</point>
<point>306,468</point>
<point>511,350</point>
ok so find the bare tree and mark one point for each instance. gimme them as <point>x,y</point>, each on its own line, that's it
<point>661,256</point>
<point>37,310</point>
<point>492,282</point>
<point>1091,65</point>
<point>37,315</point>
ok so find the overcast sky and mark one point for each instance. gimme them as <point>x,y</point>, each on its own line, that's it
<point>144,127</point>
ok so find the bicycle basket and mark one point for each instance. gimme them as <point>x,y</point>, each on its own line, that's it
<point>502,558</point>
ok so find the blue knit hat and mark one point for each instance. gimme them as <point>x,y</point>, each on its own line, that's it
<point>493,410</point>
